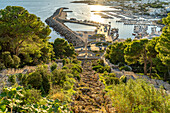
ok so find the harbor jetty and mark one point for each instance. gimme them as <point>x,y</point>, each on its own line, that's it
<point>57,23</point>
<point>57,20</point>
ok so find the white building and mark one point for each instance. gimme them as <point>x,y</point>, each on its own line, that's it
<point>155,11</point>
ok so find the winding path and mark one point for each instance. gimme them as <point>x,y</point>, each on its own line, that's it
<point>90,97</point>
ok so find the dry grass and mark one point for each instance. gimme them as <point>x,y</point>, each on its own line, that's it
<point>58,95</point>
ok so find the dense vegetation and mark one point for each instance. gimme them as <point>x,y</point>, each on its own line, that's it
<point>24,41</point>
<point>45,89</point>
<point>62,49</point>
<point>134,96</point>
<point>25,100</point>
<point>152,54</point>
<point>23,38</point>
<point>138,97</point>
<point>99,66</point>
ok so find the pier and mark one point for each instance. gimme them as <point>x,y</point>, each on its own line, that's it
<point>57,23</point>
<point>57,20</point>
<point>139,22</point>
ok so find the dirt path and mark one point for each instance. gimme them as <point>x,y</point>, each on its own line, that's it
<point>90,97</point>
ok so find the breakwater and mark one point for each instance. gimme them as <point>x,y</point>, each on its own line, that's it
<point>56,23</point>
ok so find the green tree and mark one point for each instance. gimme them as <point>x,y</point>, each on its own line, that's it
<point>22,34</point>
<point>136,51</point>
<point>160,67</point>
<point>151,52</point>
<point>47,52</point>
<point>7,59</point>
<point>16,61</point>
<point>115,53</point>
<point>62,49</point>
<point>163,45</point>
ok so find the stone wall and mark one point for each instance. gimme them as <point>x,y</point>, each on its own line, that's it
<point>27,69</point>
<point>11,71</point>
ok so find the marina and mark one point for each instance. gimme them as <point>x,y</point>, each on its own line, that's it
<point>80,12</point>
<point>57,20</point>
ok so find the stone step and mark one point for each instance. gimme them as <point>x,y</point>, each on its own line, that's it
<point>91,96</point>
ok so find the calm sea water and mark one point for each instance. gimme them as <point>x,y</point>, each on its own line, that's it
<point>45,8</point>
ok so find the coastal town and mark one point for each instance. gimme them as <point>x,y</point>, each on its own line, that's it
<point>126,12</point>
<point>85,56</point>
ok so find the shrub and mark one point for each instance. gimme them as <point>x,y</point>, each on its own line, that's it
<point>23,79</point>
<point>67,85</point>
<point>35,79</point>
<point>126,68</point>
<point>97,67</point>
<point>94,63</point>
<point>40,79</point>
<point>98,44</point>
<point>139,97</point>
<point>77,68</point>
<point>7,59</point>
<point>101,70</point>
<point>2,66</point>
<point>32,96</point>
<point>112,75</point>
<point>100,62</point>
<point>20,76</point>
<point>107,68</point>
<point>77,76</point>
<point>71,80</point>
<point>111,80</point>
<point>75,61</point>
<point>123,79</point>
<point>59,77</point>
<point>53,66</point>
<point>12,79</point>
<point>59,95</point>
<point>19,100</point>
<point>121,64</point>
<point>65,67</point>
<point>64,62</point>
<point>70,75</point>
<point>16,61</point>
<point>105,73</point>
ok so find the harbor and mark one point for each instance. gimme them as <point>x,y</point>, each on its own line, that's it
<point>84,41</point>
<point>87,41</point>
<point>57,20</point>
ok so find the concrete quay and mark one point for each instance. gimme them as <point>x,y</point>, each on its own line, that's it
<point>80,22</point>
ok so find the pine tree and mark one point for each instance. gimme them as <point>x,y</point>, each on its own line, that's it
<point>136,51</point>
<point>163,45</point>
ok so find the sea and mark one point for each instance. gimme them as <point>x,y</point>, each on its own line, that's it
<point>45,8</point>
